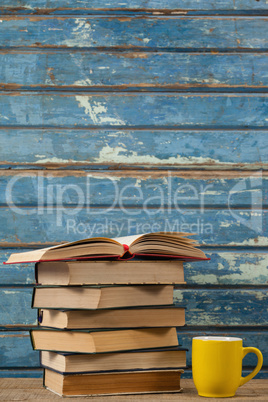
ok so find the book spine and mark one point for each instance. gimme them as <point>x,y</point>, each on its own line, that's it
<point>33,296</point>
<point>32,340</point>
<point>36,272</point>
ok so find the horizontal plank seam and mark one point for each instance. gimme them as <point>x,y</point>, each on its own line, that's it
<point>10,11</point>
<point>124,94</point>
<point>206,89</point>
<point>126,173</point>
<point>157,207</point>
<point>134,128</point>
<point>133,49</point>
<point>144,50</point>
<point>134,17</point>
<point>240,168</point>
<point>125,128</point>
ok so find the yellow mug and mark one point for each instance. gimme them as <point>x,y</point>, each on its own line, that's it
<point>217,365</point>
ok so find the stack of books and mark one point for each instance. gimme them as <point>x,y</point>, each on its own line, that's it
<point>107,324</point>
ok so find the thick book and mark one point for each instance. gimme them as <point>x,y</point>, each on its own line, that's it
<point>148,359</point>
<point>113,318</point>
<point>163,244</point>
<point>85,297</point>
<point>119,383</point>
<point>103,272</point>
<point>103,341</point>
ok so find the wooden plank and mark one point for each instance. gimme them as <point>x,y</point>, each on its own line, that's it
<point>225,268</point>
<point>229,268</point>
<point>15,307</point>
<point>223,227</point>
<point>134,189</point>
<point>132,70</point>
<point>83,6</point>
<point>18,350</point>
<point>19,274</point>
<point>32,389</point>
<point>234,307</point>
<point>223,306</point>
<point>134,32</point>
<point>107,148</point>
<point>134,110</point>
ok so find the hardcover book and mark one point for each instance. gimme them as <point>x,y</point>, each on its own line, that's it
<point>86,297</point>
<point>103,341</point>
<point>148,359</point>
<point>113,383</point>
<point>102,272</point>
<point>113,318</point>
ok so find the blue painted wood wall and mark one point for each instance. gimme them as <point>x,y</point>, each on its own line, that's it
<point>120,118</point>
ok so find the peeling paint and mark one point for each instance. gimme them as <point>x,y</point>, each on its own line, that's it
<point>146,40</point>
<point>261,296</point>
<point>92,109</point>
<point>97,111</point>
<point>10,292</point>
<point>208,192</point>
<point>258,241</point>
<point>122,155</point>
<point>138,183</point>
<point>82,32</point>
<point>232,269</point>
<point>54,159</point>
<point>178,296</point>
<point>84,82</point>
<point>103,176</point>
<point>225,224</point>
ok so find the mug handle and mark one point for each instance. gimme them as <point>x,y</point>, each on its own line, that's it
<point>257,352</point>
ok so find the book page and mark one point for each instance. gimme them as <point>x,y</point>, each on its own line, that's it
<point>127,239</point>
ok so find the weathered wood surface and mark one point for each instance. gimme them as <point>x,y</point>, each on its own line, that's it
<point>205,307</point>
<point>15,307</point>
<point>32,389</point>
<point>229,267</point>
<point>84,6</point>
<point>135,189</point>
<point>18,351</point>
<point>135,32</point>
<point>132,70</point>
<point>208,307</point>
<point>119,110</point>
<point>17,274</point>
<point>156,148</point>
<point>156,122</point>
<point>223,227</point>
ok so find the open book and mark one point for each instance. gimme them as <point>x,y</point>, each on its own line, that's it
<point>158,244</point>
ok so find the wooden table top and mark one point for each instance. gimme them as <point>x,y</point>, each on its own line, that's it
<point>29,389</point>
